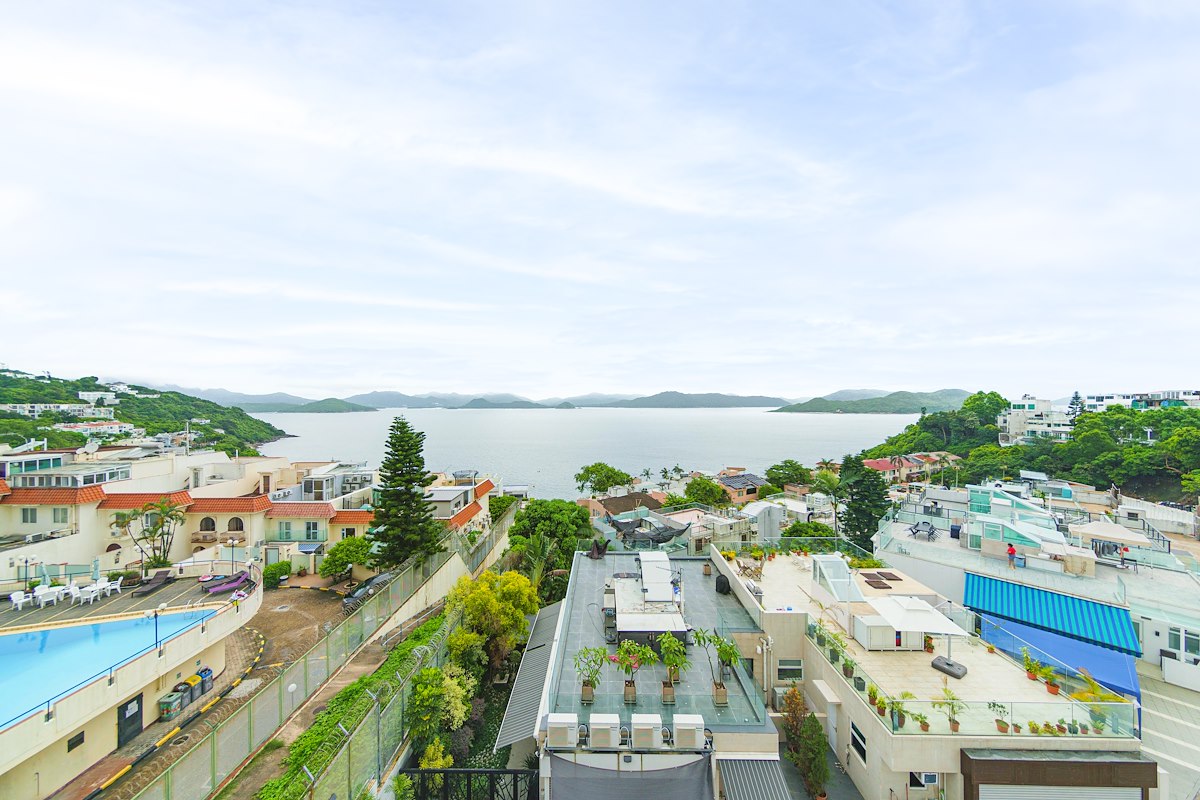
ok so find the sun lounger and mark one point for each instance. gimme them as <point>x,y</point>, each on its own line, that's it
<point>228,586</point>
<point>160,579</point>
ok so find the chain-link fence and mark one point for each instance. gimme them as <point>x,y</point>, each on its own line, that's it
<point>200,770</point>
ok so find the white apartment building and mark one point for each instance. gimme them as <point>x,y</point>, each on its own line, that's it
<point>99,398</point>
<point>1030,418</point>
<point>73,409</point>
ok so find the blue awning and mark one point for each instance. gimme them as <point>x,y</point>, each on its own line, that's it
<point>1074,617</point>
<point>310,547</point>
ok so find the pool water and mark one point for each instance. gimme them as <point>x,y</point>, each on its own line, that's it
<point>39,666</point>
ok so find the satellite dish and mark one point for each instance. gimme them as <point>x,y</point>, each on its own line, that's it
<point>92,446</point>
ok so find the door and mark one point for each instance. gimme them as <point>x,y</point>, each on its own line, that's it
<point>129,720</point>
<point>832,732</point>
<point>994,792</point>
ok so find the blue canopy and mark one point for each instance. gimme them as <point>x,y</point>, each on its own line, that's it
<point>1086,620</point>
<point>1117,671</point>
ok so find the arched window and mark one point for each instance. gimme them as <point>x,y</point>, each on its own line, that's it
<point>208,524</point>
<point>235,524</point>
<point>112,548</point>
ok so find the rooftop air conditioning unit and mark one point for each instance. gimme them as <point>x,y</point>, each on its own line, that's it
<point>689,732</point>
<point>562,731</point>
<point>34,537</point>
<point>647,731</point>
<point>604,731</point>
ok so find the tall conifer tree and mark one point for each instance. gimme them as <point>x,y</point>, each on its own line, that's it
<point>866,501</point>
<point>404,524</point>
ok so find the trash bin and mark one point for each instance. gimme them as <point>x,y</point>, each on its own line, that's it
<point>205,673</point>
<point>185,693</point>
<point>169,706</point>
<point>193,682</point>
<point>955,531</point>
<point>206,685</point>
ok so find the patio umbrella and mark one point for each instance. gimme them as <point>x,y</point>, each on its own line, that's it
<point>96,568</point>
<point>44,573</point>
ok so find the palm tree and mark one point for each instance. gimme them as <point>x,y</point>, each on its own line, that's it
<point>678,472</point>
<point>538,549</point>
<point>163,518</point>
<point>665,474</point>
<point>898,462</point>
<point>123,521</point>
<point>829,484</point>
<point>943,461</point>
<point>826,464</point>
<point>647,473</point>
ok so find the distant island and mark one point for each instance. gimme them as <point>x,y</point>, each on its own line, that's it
<point>894,403</point>
<point>330,405</point>
<point>481,402</point>
<point>710,400</point>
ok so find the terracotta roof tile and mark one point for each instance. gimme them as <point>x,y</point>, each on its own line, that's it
<point>4,487</point>
<point>128,500</point>
<point>230,505</point>
<point>465,516</point>
<point>484,488</point>
<point>302,510</point>
<point>53,497</point>
<point>355,517</point>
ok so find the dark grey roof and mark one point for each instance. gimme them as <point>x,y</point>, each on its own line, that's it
<point>742,481</point>
<point>748,779</point>
<point>521,716</point>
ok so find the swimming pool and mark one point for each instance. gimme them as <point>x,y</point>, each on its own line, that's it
<point>39,666</point>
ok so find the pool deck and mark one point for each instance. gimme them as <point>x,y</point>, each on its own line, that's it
<point>176,594</point>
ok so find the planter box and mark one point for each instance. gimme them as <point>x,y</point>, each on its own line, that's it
<point>587,694</point>
<point>720,695</point>
<point>630,692</point>
<point>668,693</point>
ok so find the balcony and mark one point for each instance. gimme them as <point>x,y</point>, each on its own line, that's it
<point>218,537</point>
<point>991,677</point>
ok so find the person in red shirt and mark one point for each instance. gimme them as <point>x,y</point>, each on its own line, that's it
<point>1012,556</point>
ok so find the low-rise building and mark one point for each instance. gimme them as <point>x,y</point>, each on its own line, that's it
<point>100,398</point>
<point>109,428</point>
<point>1030,419</point>
<point>71,409</point>
<point>740,485</point>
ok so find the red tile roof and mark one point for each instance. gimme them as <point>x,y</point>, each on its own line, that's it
<point>128,500</point>
<point>356,517</point>
<point>302,510</point>
<point>465,516</point>
<point>879,464</point>
<point>53,497</point>
<point>4,487</point>
<point>484,488</point>
<point>230,505</point>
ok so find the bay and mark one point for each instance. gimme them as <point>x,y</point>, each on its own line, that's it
<point>546,447</point>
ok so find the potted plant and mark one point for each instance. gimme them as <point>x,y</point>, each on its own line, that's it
<point>881,707</point>
<point>1034,728</point>
<point>848,665</point>
<point>589,662</point>
<point>726,652</point>
<point>1001,712</point>
<point>1083,727</point>
<point>872,693</point>
<point>1061,727</point>
<point>951,705</point>
<point>1032,665</point>
<point>897,709</point>
<point>991,648</point>
<point>1093,693</point>
<point>821,635</point>
<point>837,646</point>
<point>860,683</point>
<point>631,657</point>
<point>928,643</point>
<point>922,720</point>
<point>1098,726</point>
<point>1046,673</point>
<point>1073,728</point>
<point>1050,728</point>
<point>1016,727</point>
<point>674,657</point>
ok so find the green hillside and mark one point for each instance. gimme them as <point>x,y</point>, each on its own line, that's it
<point>894,403</point>
<point>330,405</point>
<point>226,429</point>
<point>480,402</point>
<point>708,400</point>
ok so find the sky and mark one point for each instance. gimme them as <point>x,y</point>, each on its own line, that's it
<point>557,198</point>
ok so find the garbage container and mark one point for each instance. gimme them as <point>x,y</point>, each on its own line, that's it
<point>206,679</point>
<point>193,682</point>
<point>204,672</point>
<point>185,693</point>
<point>169,706</point>
<point>955,531</point>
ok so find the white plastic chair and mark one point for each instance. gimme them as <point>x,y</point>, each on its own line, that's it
<point>45,594</point>
<point>18,599</point>
<point>88,594</point>
<point>76,595</point>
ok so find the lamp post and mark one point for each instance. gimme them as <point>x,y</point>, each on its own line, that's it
<point>230,542</point>
<point>154,612</point>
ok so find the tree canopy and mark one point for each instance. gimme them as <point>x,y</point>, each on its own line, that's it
<point>403,522</point>
<point>598,478</point>
<point>345,554</point>
<point>494,606</point>
<point>543,539</point>
<point>788,471</point>
<point>866,501</point>
<point>706,491</point>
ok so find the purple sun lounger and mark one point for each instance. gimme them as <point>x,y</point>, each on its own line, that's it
<point>229,585</point>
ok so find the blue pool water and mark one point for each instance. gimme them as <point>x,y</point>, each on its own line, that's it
<point>39,666</point>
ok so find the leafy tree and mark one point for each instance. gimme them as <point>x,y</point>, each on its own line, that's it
<point>538,551</point>
<point>435,757</point>
<point>495,606</point>
<point>675,500</point>
<point>458,687</point>
<point>811,756</point>
<point>1191,484</point>
<point>789,471</point>
<point>426,706</point>
<point>809,530</point>
<point>866,501</point>
<point>831,485</point>
<point>345,554</point>
<point>466,649</point>
<point>498,506</point>
<point>559,520</point>
<point>706,491</point>
<point>766,490</point>
<point>543,539</point>
<point>598,478</point>
<point>403,522</point>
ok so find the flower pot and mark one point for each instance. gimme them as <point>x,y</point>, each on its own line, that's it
<point>847,670</point>
<point>925,727</point>
<point>587,694</point>
<point>1072,728</point>
<point>708,568</point>
<point>1031,675</point>
<point>991,648</point>
<point>882,710</point>
<point>900,720</point>
<point>834,656</point>
<point>668,693</point>
<point>1061,728</point>
<point>1052,688</point>
<point>954,726</point>
<point>1083,727</point>
<point>929,649</point>
<point>821,639</point>
<point>1016,728</point>
<point>860,684</point>
<point>630,692</point>
<point>720,695</point>
<point>1002,726</point>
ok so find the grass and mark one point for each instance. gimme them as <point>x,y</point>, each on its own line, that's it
<point>267,749</point>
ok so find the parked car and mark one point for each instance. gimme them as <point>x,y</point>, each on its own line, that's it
<point>365,589</point>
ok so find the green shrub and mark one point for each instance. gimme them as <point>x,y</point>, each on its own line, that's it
<point>272,573</point>
<point>402,788</point>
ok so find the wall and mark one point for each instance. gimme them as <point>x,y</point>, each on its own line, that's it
<point>1181,674</point>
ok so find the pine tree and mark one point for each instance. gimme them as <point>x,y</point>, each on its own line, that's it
<point>404,525</point>
<point>1076,406</point>
<point>866,501</point>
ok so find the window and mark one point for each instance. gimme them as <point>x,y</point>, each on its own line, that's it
<point>60,516</point>
<point>1173,639</point>
<point>74,741</point>
<point>1191,643</point>
<point>208,524</point>
<point>285,529</point>
<point>348,533</point>
<point>790,669</point>
<point>858,742</point>
<point>312,531</point>
<point>28,515</point>
<point>235,524</point>
<point>921,780</point>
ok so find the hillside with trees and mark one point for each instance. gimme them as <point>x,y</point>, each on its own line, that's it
<point>226,429</point>
<point>894,403</point>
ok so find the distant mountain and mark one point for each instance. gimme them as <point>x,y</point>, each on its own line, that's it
<point>225,397</point>
<point>587,400</point>
<point>683,400</point>
<point>330,405</point>
<point>565,405</point>
<point>894,403</point>
<point>395,400</point>
<point>856,394</point>
<point>483,402</point>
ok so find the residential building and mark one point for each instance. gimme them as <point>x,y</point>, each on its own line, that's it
<point>741,486</point>
<point>71,409</point>
<point>782,623</point>
<point>898,470</point>
<point>1167,398</point>
<point>99,398</point>
<point>620,504</point>
<point>99,428</point>
<point>1030,419</point>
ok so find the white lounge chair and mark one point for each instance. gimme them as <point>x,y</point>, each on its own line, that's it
<point>19,599</point>
<point>108,587</point>
<point>88,594</point>
<point>46,594</point>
